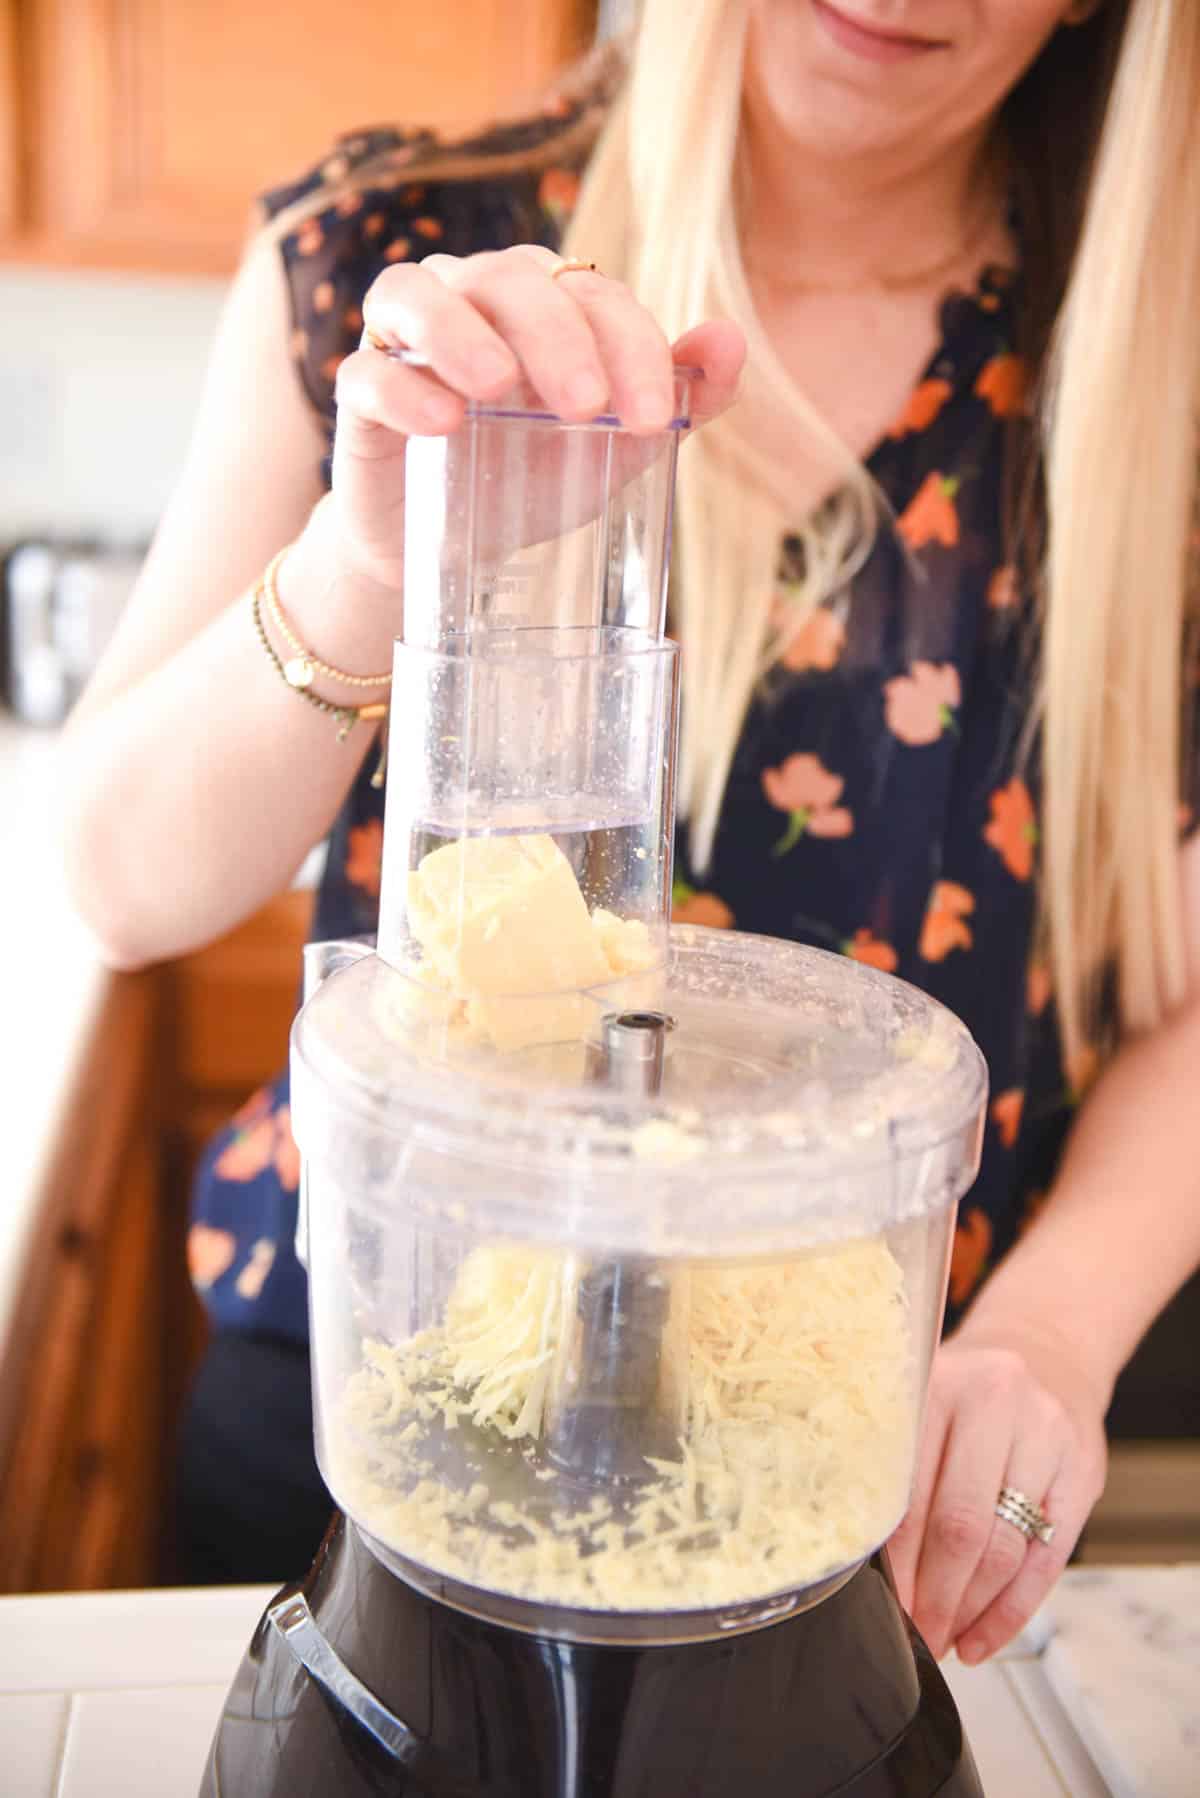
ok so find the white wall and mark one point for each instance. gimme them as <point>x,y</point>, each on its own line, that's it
<point>99,379</point>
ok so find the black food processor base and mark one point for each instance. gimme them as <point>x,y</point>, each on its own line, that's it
<point>358,1686</point>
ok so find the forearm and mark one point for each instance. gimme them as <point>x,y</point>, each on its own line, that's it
<point>193,796</point>
<point>1120,1231</point>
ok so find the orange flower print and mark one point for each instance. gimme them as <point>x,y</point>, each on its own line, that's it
<point>809,793</point>
<point>1037,988</point>
<point>373,224</point>
<point>920,705</point>
<point>1002,590</point>
<point>252,1145</point>
<point>209,1253</point>
<point>250,1281</point>
<point>945,926</point>
<point>558,191</point>
<point>431,229</point>
<point>286,1155</point>
<point>397,250</point>
<point>364,858</point>
<point>331,365</point>
<point>1006,1114</point>
<point>1012,832</point>
<point>871,950</point>
<point>690,907</point>
<point>322,296</point>
<point>930,516</point>
<point>1003,383</point>
<point>348,205</point>
<point>310,237</point>
<point>262,1138</point>
<point>972,1245</point>
<point>924,404</point>
<point>818,643</point>
<point>256,1107</point>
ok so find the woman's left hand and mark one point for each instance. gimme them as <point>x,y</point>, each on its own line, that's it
<point>1003,1410</point>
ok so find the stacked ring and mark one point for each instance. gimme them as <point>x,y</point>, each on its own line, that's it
<point>1024,1515</point>
<point>373,341</point>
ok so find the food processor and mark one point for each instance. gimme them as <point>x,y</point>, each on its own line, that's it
<point>627,1244</point>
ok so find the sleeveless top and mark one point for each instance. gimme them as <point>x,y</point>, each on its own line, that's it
<point>879,803</point>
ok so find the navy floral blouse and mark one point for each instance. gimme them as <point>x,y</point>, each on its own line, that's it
<point>878,804</point>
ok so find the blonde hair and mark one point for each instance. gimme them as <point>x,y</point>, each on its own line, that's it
<point>1119,432</point>
<point>674,133</point>
<point>1113,317</point>
<point>1120,425</point>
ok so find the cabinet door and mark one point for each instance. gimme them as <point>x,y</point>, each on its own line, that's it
<point>155,121</point>
<point>10,155</point>
<point>84,1446</point>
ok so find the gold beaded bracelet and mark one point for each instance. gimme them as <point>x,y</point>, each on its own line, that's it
<point>299,669</point>
<point>346,716</point>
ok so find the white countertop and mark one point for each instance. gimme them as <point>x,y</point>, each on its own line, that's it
<point>54,985</point>
<point>119,1692</point>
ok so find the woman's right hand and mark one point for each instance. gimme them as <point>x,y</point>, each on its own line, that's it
<point>583,342</point>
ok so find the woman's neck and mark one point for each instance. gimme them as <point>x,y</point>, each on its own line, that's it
<point>855,223</point>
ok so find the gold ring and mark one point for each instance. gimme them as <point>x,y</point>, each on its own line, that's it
<point>374,341</point>
<point>573,268</point>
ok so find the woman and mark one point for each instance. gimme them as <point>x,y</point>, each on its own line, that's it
<point>933,648</point>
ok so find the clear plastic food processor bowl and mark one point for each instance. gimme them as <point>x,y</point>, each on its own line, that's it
<point>610,1354</point>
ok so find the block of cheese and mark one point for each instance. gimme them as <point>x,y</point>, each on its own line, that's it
<point>502,922</point>
<point>625,942</point>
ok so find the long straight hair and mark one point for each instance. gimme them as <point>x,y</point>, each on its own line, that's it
<point>1104,135</point>
<point>1104,140</point>
<point>1122,405</point>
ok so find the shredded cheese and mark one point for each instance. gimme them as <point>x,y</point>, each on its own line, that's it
<point>792,1383</point>
<point>799,1406</point>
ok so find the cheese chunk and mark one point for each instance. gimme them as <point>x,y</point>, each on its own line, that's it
<point>504,915</point>
<point>625,942</point>
<point>502,921</point>
<point>507,941</point>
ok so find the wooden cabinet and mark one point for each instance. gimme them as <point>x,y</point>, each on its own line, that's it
<point>230,1008</point>
<point>148,125</point>
<point>11,136</point>
<point>108,1329</point>
<point>83,1474</point>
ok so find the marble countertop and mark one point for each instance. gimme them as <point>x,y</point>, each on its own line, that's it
<point>120,1691</point>
<point>1123,1658</point>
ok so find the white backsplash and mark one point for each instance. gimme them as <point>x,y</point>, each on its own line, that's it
<point>100,376</point>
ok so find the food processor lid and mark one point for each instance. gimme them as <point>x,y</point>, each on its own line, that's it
<point>804,1099</point>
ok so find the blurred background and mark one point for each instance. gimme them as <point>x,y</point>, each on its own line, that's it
<point>133,137</point>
